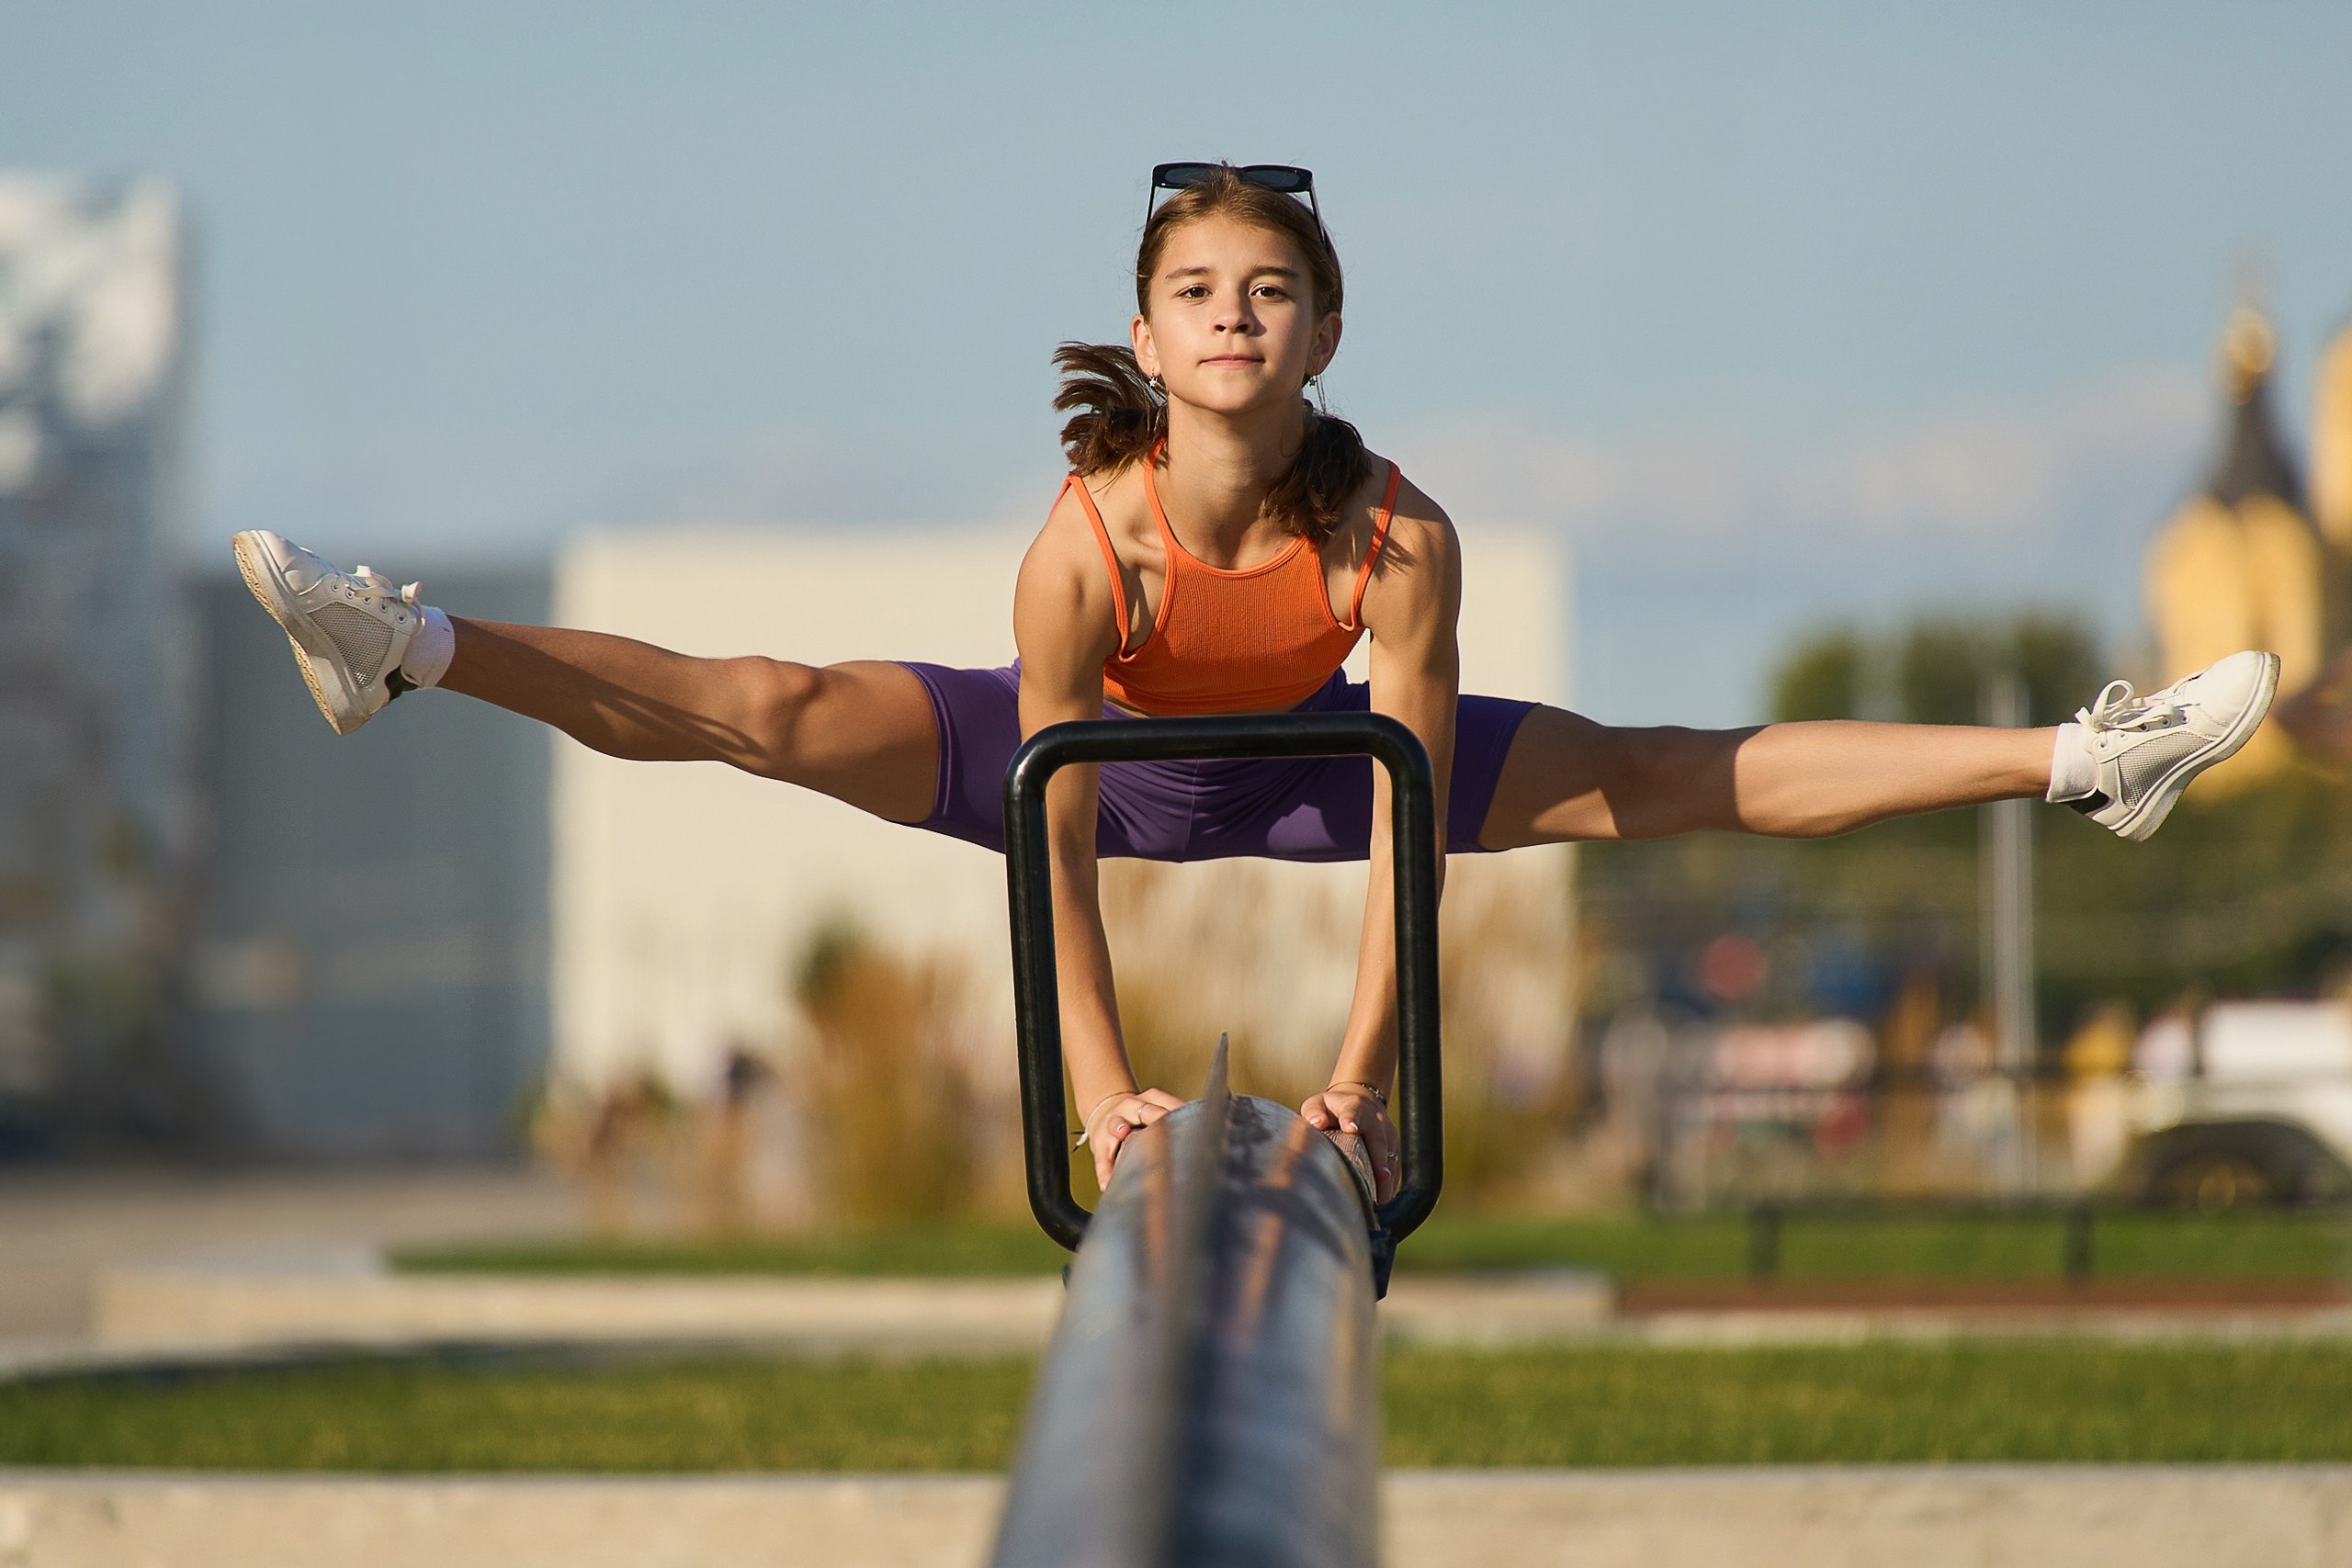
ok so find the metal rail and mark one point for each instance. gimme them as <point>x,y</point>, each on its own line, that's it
<point>1417,1111</point>
<point>1211,1397</point>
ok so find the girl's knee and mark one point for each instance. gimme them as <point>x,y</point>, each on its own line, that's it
<point>777,698</point>
<point>1665,780</point>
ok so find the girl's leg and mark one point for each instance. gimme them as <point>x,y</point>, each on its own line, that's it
<point>1567,777</point>
<point>862,732</point>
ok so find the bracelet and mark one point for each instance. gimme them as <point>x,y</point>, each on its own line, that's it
<point>1373,1089</point>
<point>1088,1117</point>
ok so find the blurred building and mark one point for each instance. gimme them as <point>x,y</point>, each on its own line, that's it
<point>2332,468</point>
<point>94,799</point>
<point>2240,564</point>
<point>2319,716</point>
<point>685,896</point>
<point>370,963</point>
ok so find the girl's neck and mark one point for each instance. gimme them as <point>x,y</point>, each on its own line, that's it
<point>1219,467</point>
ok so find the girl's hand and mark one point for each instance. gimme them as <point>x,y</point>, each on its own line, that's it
<point>1115,1117</point>
<point>1350,1109</point>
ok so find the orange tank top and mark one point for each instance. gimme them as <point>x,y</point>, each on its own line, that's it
<point>1230,641</point>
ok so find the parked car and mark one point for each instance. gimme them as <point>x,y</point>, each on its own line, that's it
<point>2250,1102</point>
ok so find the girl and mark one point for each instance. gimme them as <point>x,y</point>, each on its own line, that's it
<point>1220,547</point>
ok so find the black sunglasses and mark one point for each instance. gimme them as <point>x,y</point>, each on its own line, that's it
<point>1283,177</point>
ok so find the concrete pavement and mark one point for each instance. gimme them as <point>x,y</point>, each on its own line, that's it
<point>1921,1516</point>
<point>59,1229</point>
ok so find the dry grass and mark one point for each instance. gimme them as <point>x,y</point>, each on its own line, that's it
<point>1193,947</point>
<point>1985,1401</point>
<point>1268,952</point>
<point>885,1083</point>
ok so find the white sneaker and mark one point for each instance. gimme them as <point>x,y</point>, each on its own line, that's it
<point>2147,749</point>
<point>350,629</point>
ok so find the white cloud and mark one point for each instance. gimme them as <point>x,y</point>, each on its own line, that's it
<point>2096,465</point>
<point>1986,474</point>
<point>887,474</point>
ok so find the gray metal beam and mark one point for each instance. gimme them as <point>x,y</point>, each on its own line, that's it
<point>1210,1399</point>
<point>1211,1395</point>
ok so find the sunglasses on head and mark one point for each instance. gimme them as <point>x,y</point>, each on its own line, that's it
<point>1283,177</point>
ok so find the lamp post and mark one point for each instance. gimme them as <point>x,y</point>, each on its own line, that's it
<point>2004,861</point>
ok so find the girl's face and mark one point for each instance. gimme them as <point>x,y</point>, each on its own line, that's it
<point>1231,325</point>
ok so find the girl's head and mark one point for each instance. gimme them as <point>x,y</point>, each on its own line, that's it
<point>1233,205</point>
<point>1237,297</point>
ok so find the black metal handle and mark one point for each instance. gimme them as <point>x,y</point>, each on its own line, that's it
<point>1418,1112</point>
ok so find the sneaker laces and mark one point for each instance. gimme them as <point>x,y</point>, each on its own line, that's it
<point>373,579</point>
<point>2117,706</point>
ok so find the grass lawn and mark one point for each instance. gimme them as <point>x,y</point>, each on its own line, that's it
<point>949,1249</point>
<point>2124,1246</point>
<point>1595,1406</point>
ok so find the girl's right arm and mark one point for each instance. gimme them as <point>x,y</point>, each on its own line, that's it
<point>1064,622</point>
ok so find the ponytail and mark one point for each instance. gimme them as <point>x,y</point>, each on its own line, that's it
<point>1312,494</point>
<point>1119,415</point>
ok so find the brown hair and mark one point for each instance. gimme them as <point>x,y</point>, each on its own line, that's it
<point>1118,414</point>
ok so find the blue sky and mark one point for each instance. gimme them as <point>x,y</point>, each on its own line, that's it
<point>1777,314</point>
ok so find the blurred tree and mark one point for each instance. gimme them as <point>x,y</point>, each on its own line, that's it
<point>2247,895</point>
<point>1822,678</point>
<point>1934,670</point>
<point>2059,663</point>
<point>1941,672</point>
<point>885,1090</point>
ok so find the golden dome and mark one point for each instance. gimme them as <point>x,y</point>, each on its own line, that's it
<point>2240,564</point>
<point>2249,346</point>
<point>2332,441</point>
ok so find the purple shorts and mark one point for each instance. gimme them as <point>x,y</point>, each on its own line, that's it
<point>1307,808</point>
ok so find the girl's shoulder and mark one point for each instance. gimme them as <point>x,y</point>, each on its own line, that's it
<point>1113,497</point>
<point>1415,573</point>
<point>1062,597</point>
<point>1090,512</point>
<point>1415,525</point>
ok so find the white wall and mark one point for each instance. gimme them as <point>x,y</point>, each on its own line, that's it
<point>682,891</point>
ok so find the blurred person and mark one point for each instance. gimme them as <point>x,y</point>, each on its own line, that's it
<point>1987,1117</point>
<point>2097,1099</point>
<point>1906,1092</point>
<point>724,1144</point>
<point>1975,1106</point>
<point>1220,546</point>
<point>1633,1052</point>
<point>627,1121</point>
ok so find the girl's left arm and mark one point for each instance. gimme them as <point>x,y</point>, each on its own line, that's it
<point>1411,609</point>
